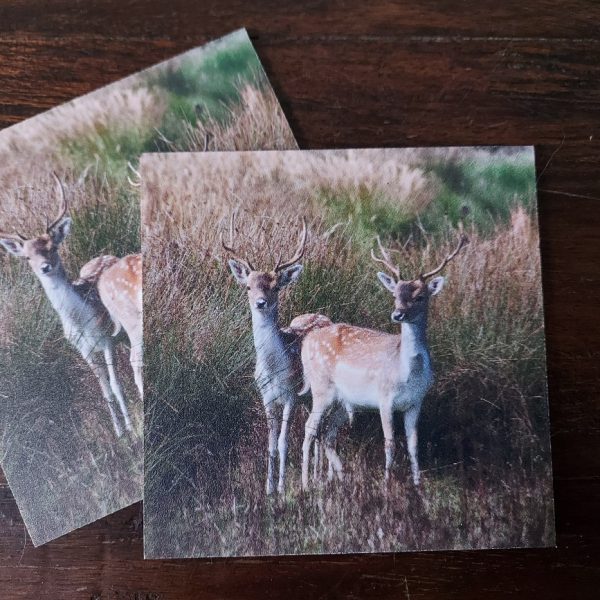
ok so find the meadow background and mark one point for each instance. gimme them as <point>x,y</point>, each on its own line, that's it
<point>57,446</point>
<point>483,433</point>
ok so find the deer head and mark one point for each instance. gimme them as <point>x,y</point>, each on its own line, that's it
<point>42,251</point>
<point>264,286</point>
<point>411,297</point>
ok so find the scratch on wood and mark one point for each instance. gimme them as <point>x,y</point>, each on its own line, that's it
<point>570,194</point>
<point>24,544</point>
<point>562,142</point>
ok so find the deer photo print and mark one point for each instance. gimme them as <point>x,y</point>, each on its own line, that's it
<point>344,352</point>
<point>70,271</point>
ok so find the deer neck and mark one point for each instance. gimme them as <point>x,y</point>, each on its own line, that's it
<point>414,340</point>
<point>59,291</point>
<point>272,360</point>
<point>265,330</point>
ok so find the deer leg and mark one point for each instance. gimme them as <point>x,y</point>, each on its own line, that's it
<point>330,471</point>
<point>387,423</point>
<point>136,359</point>
<point>282,444</point>
<point>335,464</point>
<point>316,459</point>
<point>109,357</point>
<point>318,454</point>
<point>411,417</point>
<point>273,426</point>
<point>102,376</point>
<point>311,429</point>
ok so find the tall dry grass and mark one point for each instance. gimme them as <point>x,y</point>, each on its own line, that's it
<point>57,446</point>
<point>257,121</point>
<point>484,442</point>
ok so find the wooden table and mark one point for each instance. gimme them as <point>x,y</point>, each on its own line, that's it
<point>359,73</point>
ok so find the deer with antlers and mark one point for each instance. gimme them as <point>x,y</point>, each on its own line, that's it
<point>366,369</point>
<point>85,321</point>
<point>277,365</point>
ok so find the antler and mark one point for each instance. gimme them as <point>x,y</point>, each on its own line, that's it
<point>299,251</point>
<point>138,178</point>
<point>12,236</point>
<point>64,207</point>
<point>462,241</point>
<point>231,249</point>
<point>385,259</point>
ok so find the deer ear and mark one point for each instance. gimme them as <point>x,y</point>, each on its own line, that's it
<point>289,275</point>
<point>61,230</point>
<point>387,281</point>
<point>240,271</point>
<point>14,247</point>
<point>435,285</point>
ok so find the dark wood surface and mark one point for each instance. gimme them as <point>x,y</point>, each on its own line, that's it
<point>359,73</point>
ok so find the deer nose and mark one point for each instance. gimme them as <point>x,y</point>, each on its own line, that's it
<point>261,303</point>
<point>46,268</point>
<point>398,316</point>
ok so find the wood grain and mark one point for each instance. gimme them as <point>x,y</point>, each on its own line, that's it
<point>363,74</point>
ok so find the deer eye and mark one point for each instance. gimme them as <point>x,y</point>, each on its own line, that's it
<point>248,287</point>
<point>419,298</point>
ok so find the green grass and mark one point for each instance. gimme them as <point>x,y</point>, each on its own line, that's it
<point>109,150</point>
<point>111,226</point>
<point>206,89</point>
<point>479,194</point>
<point>370,212</point>
<point>205,86</point>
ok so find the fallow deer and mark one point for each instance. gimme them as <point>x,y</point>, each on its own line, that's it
<point>366,369</point>
<point>120,289</point>
<point>277,370</point>
<point>119,283</point>
<point>85,321</point>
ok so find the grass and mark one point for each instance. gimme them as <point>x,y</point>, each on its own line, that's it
<point>57,446</point>
<point>477,193</point>
<point>358,515</point>
<point>201,90</point>
<point>58,449</point>
<point>151,111</point>
<point>484,442</point>
<point>57,436</point>
<point>488,193</point>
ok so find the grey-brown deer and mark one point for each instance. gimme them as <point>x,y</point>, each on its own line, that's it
<point>85,321</point>
<point>277,352</point>
<point>366,369</point>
